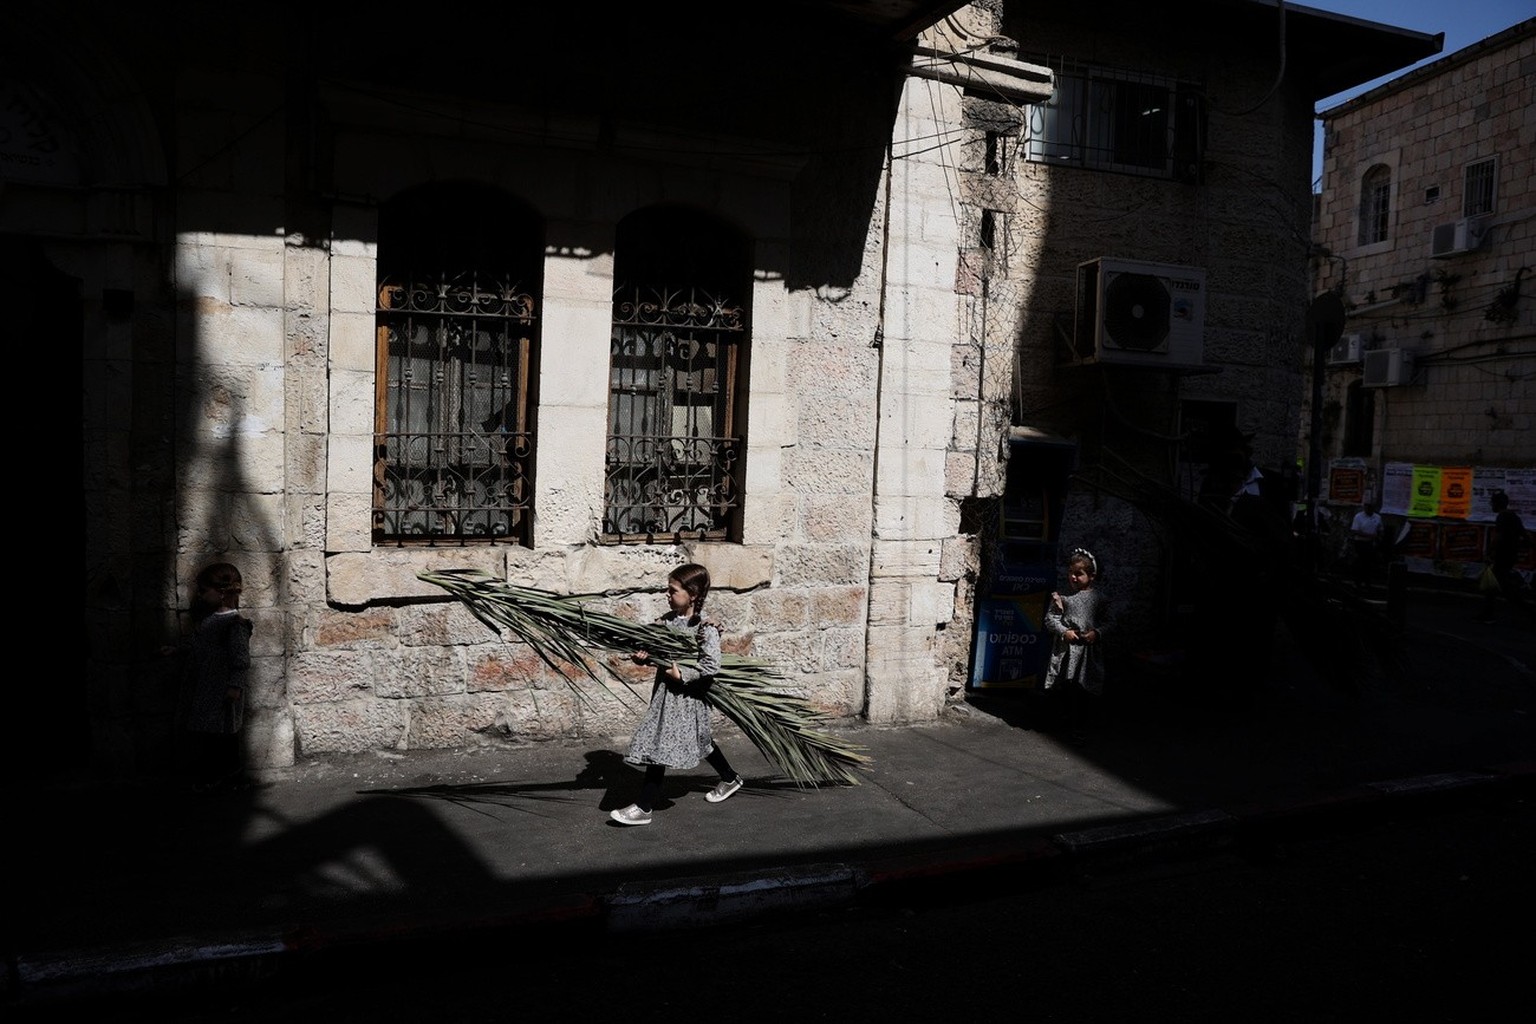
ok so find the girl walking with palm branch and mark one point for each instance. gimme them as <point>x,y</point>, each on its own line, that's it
<point>675,732</point>
<point>751,692</point>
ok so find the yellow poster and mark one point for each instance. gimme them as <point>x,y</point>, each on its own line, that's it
<point>1424,499</point>
<point>1455,492</point>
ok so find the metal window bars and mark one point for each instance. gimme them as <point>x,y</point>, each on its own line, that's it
<point>453,437</point>
<point>1109,120</point>
<point>673,456</point>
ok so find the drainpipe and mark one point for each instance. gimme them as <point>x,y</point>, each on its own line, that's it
<point>878,343</point>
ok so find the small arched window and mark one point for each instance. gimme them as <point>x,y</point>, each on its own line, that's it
<point>1375,204</point>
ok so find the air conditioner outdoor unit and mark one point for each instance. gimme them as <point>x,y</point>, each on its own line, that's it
<point>1349,350</point>
<point>1387,368</point>
<point>1457,237</point>
<point>1134,313</point>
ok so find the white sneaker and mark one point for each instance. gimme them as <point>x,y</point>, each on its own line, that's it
<point>632,815</point>
<point>723,790</point>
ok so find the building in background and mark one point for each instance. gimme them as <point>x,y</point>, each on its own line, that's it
<point>1136,247</point>
<point>1427,231</point>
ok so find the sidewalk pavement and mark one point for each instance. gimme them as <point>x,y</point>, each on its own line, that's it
<point>138,886</point>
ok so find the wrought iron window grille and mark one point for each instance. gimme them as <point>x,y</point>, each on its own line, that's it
<point>454,445</point>
<point>1120,121</point>
<point>1478,188</point>
<point>674,454</point>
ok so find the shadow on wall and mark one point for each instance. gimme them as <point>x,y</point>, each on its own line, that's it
<point>194,474</point>
<point>46,706</point>
<point>229,457</point>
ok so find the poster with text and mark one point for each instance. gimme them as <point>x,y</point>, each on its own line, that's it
<point>1396,487</point>
<point>1346,481</point>
<point>1422,541</point>
<point>1424,499</point>
<point>1012,647</point>
<point>1519,484</point>
<point>1455,492</point>
<point>1461,542</point>
<point>1484,483</point>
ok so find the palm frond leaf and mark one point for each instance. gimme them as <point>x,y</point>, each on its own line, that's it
<point>751,692</point>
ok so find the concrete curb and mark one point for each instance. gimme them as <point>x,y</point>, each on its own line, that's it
<point>703,902</point>
<point>716,900</point>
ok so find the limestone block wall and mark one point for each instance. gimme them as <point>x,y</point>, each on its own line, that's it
<point>846,572</point>
<point>910,602</point>
<point>793,591</point>
<point>234,455</point>
<point>1471,394</point>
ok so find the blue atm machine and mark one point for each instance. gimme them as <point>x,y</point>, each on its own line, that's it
<point>1011,648</point>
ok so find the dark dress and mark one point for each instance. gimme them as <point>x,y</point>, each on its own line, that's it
<point>1508,529</point>
<point>217,659</point>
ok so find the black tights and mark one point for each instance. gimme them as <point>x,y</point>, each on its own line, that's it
<point>216,757</point>
<point>650,789</point>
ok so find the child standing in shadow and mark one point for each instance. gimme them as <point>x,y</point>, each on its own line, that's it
<point>1076,621</point>
<point>213,679</point>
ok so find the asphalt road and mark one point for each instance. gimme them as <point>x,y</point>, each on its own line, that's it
<point>1415,920</point>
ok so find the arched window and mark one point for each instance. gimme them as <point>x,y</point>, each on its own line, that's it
<point>1375,204</point>
<point>677,372</point>
<point>459,280</point>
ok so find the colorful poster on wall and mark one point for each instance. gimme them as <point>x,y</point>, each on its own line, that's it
<point>1346,481</point>
<point>1396,488</point>
<point>1424,499</point>
<point>1520,485</point>
<point>1484,483</point>
<point>1461,542</point>
<point>1455,492</point>
<point>1012,647</point>
<point>1421,542</point>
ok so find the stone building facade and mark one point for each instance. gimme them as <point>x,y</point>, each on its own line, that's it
<point>1223,192</point>
<point>1427,231</point>
<point>235,220</point>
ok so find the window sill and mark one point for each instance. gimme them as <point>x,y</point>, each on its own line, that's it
<point>355,579</point>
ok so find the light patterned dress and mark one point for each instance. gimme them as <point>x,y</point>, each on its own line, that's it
<point>675,731</point>
<point>1081,664</point>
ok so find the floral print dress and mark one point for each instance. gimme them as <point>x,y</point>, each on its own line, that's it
<point>675,731</point>
<point>1078,663</point>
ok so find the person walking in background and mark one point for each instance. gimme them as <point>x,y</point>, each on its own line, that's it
<point>1504,551</point>
<point>1076,622</point>
<point>675,732</point>
<point>213,677</point>
<point>1365,535</point>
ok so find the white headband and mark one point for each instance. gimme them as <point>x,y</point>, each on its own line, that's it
<point>1093,563</point>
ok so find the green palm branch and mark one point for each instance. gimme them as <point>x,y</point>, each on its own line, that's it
<point>750,692</point>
